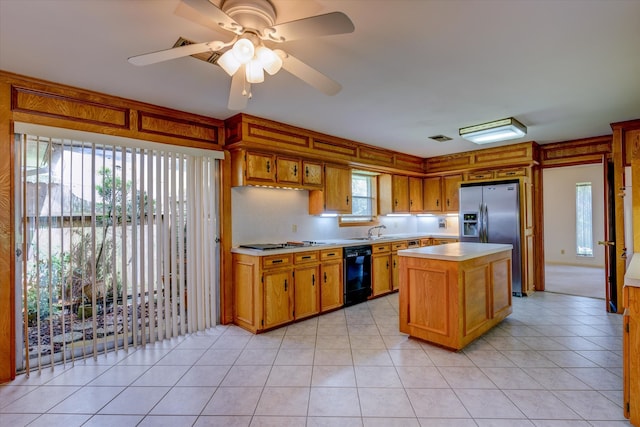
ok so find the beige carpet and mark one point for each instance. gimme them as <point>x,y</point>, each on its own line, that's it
<point>575,280</point>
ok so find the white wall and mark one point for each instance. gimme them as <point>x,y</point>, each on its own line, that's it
<point>559,204</point>
<point>270,215</point>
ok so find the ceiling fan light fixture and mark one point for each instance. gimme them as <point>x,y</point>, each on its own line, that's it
<point>243,50</point>
<point>271,62</point>
<point>254,71</point>
<point>498,130</point>
<point>229,63</point>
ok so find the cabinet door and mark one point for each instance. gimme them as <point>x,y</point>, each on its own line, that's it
<point>432,194</point>
<point>400,194</point>
<point>311,173</point>
<point>331,292</point>
<point>381,273</point>
<point>415,195</point>
<point>289,171</point>
<point>260,167</point>
<point>395,272</point>
<point>307,295</point>
<point>337,189</point>
<point>277,298</point>
<point>451,191</point>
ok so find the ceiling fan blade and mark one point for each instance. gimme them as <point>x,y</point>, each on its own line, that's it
<point>240,91</point>
<point>176,52</point>
<point>308,74</point>
<point>314,26</point>
<point>214,14</point>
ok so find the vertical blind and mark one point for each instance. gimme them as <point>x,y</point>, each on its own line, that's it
<point>118,246</point>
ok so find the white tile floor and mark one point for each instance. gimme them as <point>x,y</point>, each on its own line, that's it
<point>556,361</point>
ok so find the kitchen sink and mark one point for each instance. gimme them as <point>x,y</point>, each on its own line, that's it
<point>366,238</point>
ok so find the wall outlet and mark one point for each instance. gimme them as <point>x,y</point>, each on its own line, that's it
<point>294,228</point>
<point>442,223</point>
<point>561,251</point>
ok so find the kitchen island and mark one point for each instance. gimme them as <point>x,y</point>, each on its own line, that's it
<point>452,294</point>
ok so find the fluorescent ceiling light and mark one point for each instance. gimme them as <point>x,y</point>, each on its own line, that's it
<point>499,130</point>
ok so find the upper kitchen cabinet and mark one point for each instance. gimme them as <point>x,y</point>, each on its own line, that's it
<point>312,174</point>
<point>440,193</point>
<point>335,197</point>
<point>259,168</point>
<point>399,194</point>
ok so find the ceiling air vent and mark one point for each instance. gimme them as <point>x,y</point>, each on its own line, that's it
<point>210,57</point>
<point>440,138</point>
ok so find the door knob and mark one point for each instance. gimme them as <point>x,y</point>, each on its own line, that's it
<point>606,243</point>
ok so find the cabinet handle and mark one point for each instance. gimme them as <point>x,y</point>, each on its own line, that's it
<point>410,202</point>
<point>268,166</point>
<point>394,263</point>
<point>387,265</point>
<point>396,202</point>
<point>306,257</point>
<point>438,202</point>
<point>331,254</point>
<point>276,261</point>
<point>313,280</point>
<point>325,277</point>
<point>447,202</point>
<point>285,285</point>
<point>347,200</point>
<point>295,170</point>
<point>306,171</point>
<point>510,173</point>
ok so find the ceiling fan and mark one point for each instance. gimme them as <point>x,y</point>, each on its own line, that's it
<point>246,56</point>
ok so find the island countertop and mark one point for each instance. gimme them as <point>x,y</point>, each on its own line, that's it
<point>461,251</point>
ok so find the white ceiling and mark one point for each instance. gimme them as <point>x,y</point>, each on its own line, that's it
<point>412,68</point>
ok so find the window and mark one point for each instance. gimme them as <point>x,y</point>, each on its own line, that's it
<point>584,226</point>
<point>363,192</point>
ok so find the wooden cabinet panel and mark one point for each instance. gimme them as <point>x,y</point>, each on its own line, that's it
<point>288,171</point>
<point>381,273</point>
<point>307,290</point>
<point>278,301</point>
<point>631,354</point>
<point>415,195</point>
<point>336,195</point>
<point>311,173</point>
<point>432,194</point>
<point>451,187</point>
<point>245,273</point>
<point>260,168</point>
<point>331,292</point>
<point>400,185</point>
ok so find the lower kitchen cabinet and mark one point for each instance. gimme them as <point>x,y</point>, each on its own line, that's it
<point>274,290</point>
<point>381,269</point>
<point>306,275</point>
<point>631,353</point>
<point>331,280</point>
<point>278,298</point>
<point>395,264</point>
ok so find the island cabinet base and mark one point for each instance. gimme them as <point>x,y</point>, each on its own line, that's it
<point>451,303</point>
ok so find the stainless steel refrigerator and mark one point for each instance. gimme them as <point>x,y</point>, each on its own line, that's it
<point>490,213</point>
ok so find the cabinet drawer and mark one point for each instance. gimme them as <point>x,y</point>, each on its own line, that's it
<point>506,173</point>
<point>396,246</point>
<point>329,254</point>
<point>473,176</point>
<point>426,241</point>
<point>277,260</point>
<point>382,247</point>
<point>304,257</point>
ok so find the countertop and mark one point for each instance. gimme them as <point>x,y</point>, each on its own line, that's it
<point>632,276</point>
<point>461,251</point>
<point>340,243</point>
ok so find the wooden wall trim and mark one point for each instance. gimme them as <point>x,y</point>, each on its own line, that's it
<point>575,152</point>
<point>7,240</point>
<point>250,132</point>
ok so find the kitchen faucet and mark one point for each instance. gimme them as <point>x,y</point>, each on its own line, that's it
<point>379,227</point>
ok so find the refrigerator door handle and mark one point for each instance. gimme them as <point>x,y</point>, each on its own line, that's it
<point>480,224</point>
<point>485,218</point>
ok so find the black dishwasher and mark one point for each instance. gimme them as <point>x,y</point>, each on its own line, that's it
<point>357,274</point>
